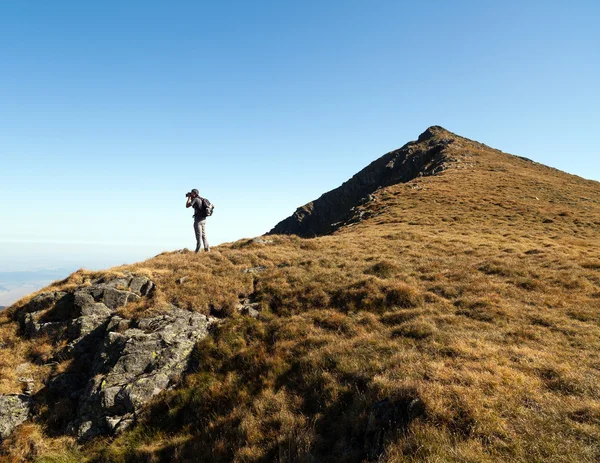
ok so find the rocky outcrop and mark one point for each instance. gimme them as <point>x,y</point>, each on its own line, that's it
<point>78,313</point>
<point>339,207</point>
<point>14,410</point>
<point>135,361</point>
<point>117,364</point>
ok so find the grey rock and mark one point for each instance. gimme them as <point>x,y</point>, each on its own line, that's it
<point>119,283</point>
<point>133,366</point>
<point>260,240</point>
<point>117,324</point>
<point>254,270</point>
<point>43,301</point>
<point>93,315</point>
<point>14,410</point>
<point>29,325</point>
<point>96,291</point>
<point>29,315</point>
<point>121,364</point>
<point>27,385</point>
<point>117,425</point>
<point>33,328</point>
<point>141,286</point>
<point>109,400</point>
<point>97,310</point>
<point>247,307</point>
<point>86,430</point>
<point>115,298</point>
<point>82,299</point>
<point>251,312</point>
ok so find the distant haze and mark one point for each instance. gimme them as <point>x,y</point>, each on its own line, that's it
<point>27,267</point>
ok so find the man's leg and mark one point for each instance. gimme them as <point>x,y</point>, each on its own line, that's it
<point>203,225</point>
<point>197,232</point>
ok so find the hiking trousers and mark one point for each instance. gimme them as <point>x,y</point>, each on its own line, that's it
<point>200,230</point>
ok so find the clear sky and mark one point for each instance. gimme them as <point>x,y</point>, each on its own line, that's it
<point>110,111</point>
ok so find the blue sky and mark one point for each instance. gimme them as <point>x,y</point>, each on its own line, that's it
<point>111,111</point>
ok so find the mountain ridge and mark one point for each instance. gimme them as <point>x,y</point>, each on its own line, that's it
<point>325,214</point>
<point>429,155</point>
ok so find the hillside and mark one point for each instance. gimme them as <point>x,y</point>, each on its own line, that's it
<point>446,309</point>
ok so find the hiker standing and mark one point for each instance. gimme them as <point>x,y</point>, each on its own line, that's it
<point>202,209</point>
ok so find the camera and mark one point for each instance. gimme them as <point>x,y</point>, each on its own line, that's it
<point>187,195</point>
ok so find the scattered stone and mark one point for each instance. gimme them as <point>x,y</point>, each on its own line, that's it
<point>14,410</point>
<point>181,280</point>
<point>247,307</point>
<point>260,240</point>
<point>28,385</point>
<point>251,312</point>
<point>254,270</point>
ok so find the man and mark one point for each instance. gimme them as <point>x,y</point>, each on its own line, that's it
<point>194,200</point>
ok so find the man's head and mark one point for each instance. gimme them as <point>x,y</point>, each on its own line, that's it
<point>195,193</point>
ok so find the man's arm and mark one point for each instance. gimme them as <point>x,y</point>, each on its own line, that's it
<point>188,203</point>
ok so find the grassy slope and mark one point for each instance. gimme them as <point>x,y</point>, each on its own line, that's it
<point>477,290</point>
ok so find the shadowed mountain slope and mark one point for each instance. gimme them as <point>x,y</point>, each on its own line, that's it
<point>452,315</point>
<point>426,156</point>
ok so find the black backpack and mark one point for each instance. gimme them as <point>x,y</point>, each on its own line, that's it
<point>208,207</point>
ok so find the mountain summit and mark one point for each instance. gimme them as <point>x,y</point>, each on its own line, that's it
<point>465,163</point>
<point>429,155</point>
<point>445,308</point>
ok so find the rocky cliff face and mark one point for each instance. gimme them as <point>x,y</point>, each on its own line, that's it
<point>115,364</point>
<point>338,207</point>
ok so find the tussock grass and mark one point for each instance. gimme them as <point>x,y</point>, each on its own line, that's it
<point>475,290</point>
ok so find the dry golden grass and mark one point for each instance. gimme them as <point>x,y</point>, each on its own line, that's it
<point>477,290</point>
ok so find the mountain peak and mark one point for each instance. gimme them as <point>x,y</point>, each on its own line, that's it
<point>433,131</point>
<point>423,157</point>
